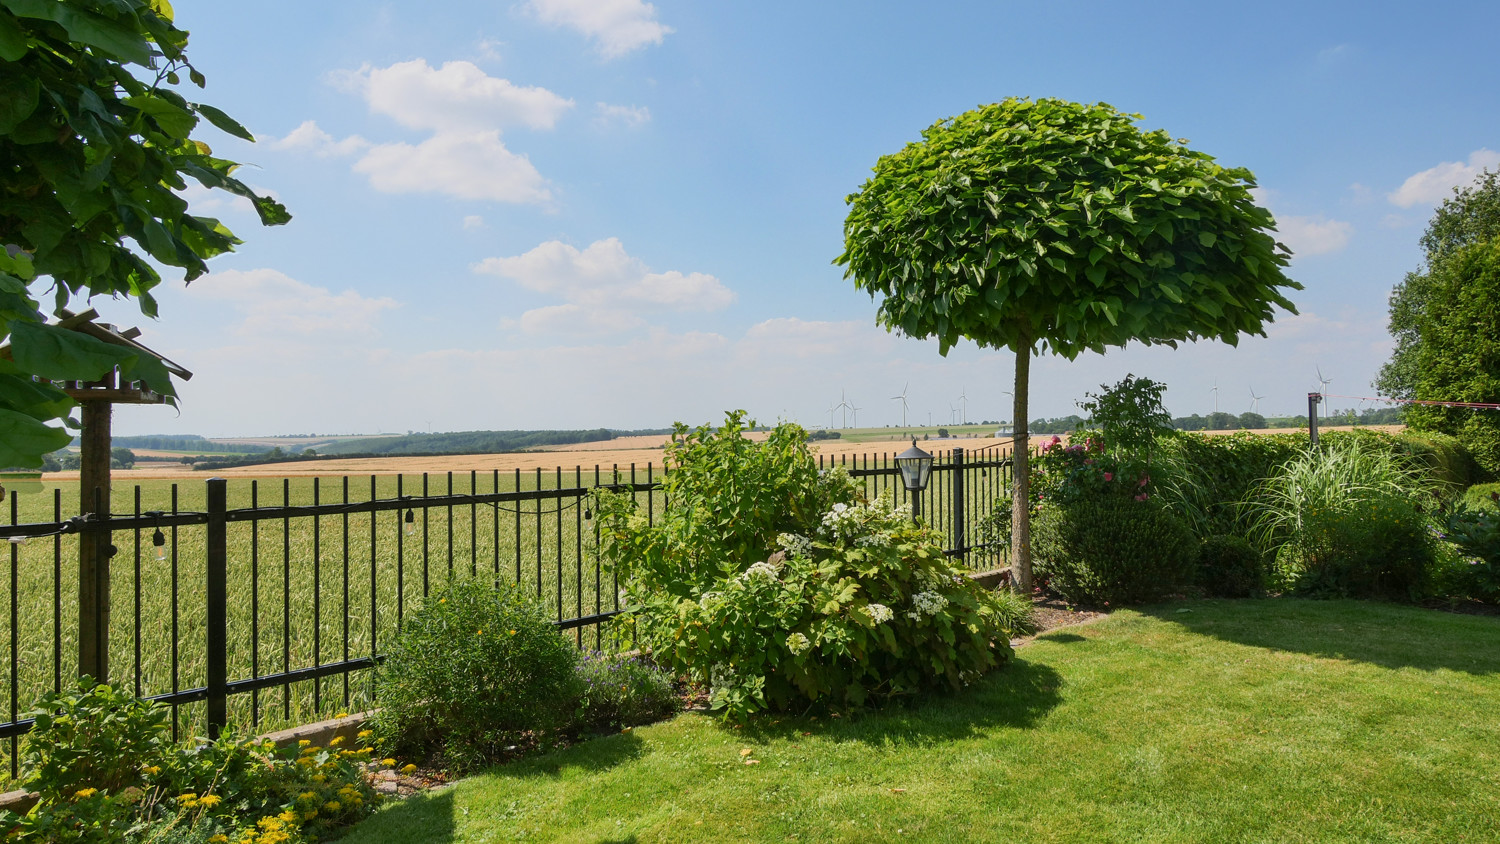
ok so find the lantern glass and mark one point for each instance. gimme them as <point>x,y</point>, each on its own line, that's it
<point>916,467</point>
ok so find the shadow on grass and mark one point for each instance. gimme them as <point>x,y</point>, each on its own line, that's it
<point>1388,635</point>
<point>594,754</point>
<point>1061,638</point>
<point>1017,695</point>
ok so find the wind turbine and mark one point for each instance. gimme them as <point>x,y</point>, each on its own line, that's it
<point>1254,400</point>
<point>1322,386</point>
<point>831,409</point>
<point>902,398</point>
<point>1215,391</point>
<point>856,414</point>
<point>844,406</point>
<point>964,399</point>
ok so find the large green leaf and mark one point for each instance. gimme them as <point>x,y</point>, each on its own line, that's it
<point>13,46</point>
<point>223,121</point>
<point>176,121</point>
<point>58,354</point>
<point>23,440</point>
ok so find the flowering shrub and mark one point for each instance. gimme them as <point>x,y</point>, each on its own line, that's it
<point>475,670</point>
<point>622,692</point>
<point>105,771</point>
<point>777,585</point>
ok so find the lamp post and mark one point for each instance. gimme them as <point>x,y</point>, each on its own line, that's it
<point>916,469</point>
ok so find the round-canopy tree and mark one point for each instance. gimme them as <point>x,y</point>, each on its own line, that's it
<point>1063,227</point>
<point>97,147</point>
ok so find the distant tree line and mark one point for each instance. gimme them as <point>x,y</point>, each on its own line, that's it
<point>466,442</point>
<point>188,442</point>
<point>1221,421</point>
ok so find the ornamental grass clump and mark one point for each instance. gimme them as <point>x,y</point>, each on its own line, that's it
<point>478,671</point>
<point>1346,520</point>
<point>779,586</point>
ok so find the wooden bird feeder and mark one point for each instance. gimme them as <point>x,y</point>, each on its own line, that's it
<point>97,399</point>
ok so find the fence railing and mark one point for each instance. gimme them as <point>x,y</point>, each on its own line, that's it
<point>261,605</point>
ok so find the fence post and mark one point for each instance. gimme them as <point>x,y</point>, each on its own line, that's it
<point>1312,417</point>
<point>960,544</point>
<point>218,598</point>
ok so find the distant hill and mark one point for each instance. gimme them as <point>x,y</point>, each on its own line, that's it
<point>465,442</point>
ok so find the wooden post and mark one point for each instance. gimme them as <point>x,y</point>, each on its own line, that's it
<point>94,547</point>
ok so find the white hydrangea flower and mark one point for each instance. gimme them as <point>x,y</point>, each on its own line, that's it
<point>797,643</point>
<point>929,603</point>
<point>874,540</point>
<point>707,598</point>
<point>879,613</point>
<point>795,545</point>
<point>769,571</point>
<point>721,676</point>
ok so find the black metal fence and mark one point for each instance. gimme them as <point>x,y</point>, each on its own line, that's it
<point>264,604</point>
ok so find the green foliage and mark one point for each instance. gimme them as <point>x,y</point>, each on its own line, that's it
<point>622,692</point>
<point>1346,520</point>
<point>1230,567</point>
<point>778,587</point>
<point>97,144</point>
<point>1206,479</point>
<point>473,669</point>
<point>1113,549</point>
<point>1065,226</point>
<point>1130,417</point>
<point>105,770</point>
<point>1476,534</point>
<point>92,735</point>
<point>1017,614</point>
<point>1458,358</point>
<point>1469,218</point>
<point>1483,497</point>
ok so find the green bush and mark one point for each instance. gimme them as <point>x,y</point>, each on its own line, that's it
<point>774,584</point>
<point>473,670</point>
<point>1230,567</point>
<point>1483,497</point>
<point>1347,520</point>
<point>105,770</point>
<point>1017,614</point>
<point>1112,549</point>
<point>1475,569</point>
<point>622,692</point>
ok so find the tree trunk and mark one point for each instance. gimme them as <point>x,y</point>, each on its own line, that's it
<point>1020,511</point>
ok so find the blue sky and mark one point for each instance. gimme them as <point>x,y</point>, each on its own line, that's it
<point>585,213</point>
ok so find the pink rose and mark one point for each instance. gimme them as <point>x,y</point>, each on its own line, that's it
<point>1109,476</point>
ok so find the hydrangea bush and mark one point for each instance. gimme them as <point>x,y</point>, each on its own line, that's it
<point>778,585</point>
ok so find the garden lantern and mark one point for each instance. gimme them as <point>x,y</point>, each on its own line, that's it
<point>916,469</point>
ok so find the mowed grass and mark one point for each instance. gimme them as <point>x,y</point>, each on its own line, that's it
<point>1275,721</point>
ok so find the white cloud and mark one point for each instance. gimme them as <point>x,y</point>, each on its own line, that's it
<point>1313,235</point>
<point>617,115</point>
<point>604,275</point>
<point>1435,184</point>
<point>202,200</point>
<point>275,305</point>
<point>472,222</point>
<point>457,97</point>
<point>577,320</point>
<point>310,138</point>
<point>466,165</point>
<point>616,26</point>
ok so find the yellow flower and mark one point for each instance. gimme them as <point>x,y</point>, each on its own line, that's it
<point>303,742</point>
<point>269,823</point>
<point>208,801</point>
<point>83,793</point>
<point>480,633</point>
<point>342,715</point>
<point>405,769</point>
<point>335,741</point>
<point>332,806</point>
<point>364,734</point>
<point>289,816</point>
<point>307,796</point>
<point>221,838</point>
<point>512,632</point>
<point>151,770</point>
<point>309,814</point>
<point>389,763</point>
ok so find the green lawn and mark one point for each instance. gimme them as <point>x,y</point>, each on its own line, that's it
<point>1278,720</point>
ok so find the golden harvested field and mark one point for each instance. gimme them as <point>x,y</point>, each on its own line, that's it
<point>621,451</point>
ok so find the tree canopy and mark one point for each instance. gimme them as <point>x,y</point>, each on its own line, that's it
<point>1458,356</point>
<point>1470,217</point>
<point>1056,226</point>
<point>97,147</point>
